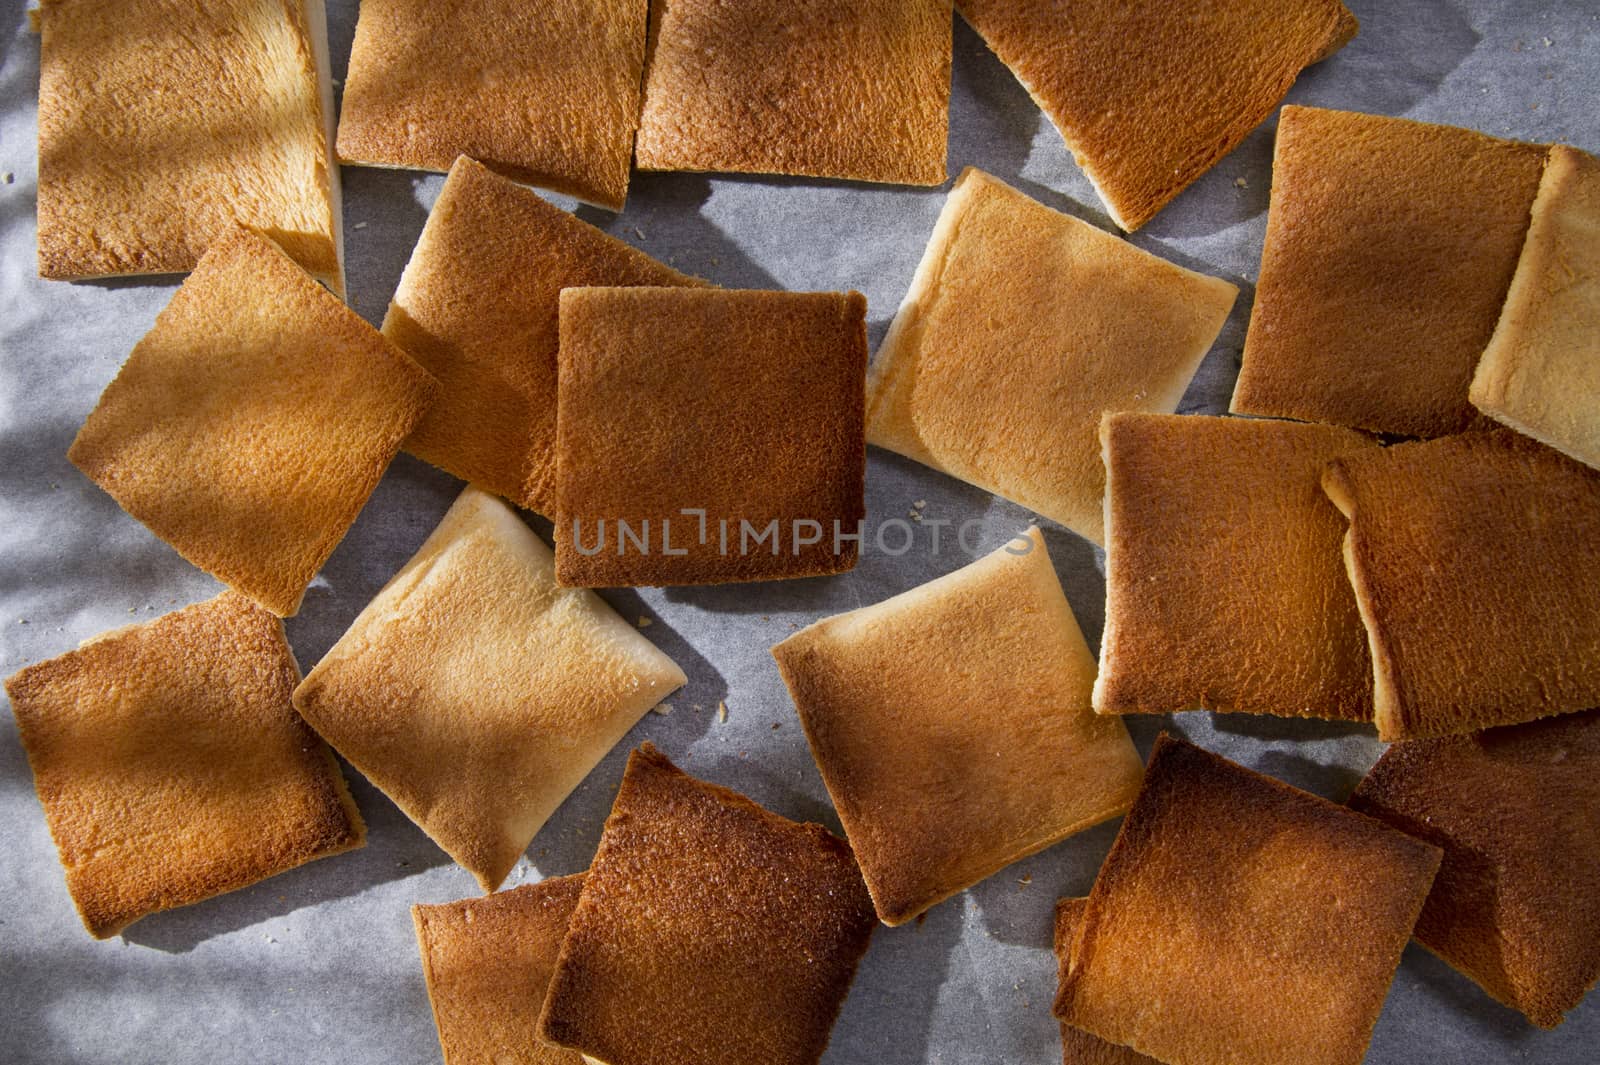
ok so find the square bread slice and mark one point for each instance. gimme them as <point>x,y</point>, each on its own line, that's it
<point>709,932</point>
<point>1390,246</point>
<point>1239,921</point>
<point>1541,372</point>
<point>1022,326</point>
<point>1077,1046</point>
<point>1149,99</point>
<point>475,693</point>
<point>953,728</point>
<point>1517,812</point>
<point>545,91</point>
<point>1225,585</point>
<point>705,436</point>
<point>171,765</point>
<point>477,307</point>
<point>856,89</point>
<point>1476,564</point>
<point>249,426</point>
<point>488,964</point>
<point>164,126</point>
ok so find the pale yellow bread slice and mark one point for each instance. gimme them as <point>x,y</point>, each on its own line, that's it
<point>1390,246</point>
<point>1476,563</point>
<point>1022,326</point>
<point>855,89</point>
<point>171,765</point>
<point>1225,586</point>
<point>1147,97</point>
<point>546,91</point>
<point>953,728</point>
<point>163,126</point>
<point>477,307</point>
<point>475,693</point>
<point>1541,372</point>
<point>488,964</point>
<point>249,426</point>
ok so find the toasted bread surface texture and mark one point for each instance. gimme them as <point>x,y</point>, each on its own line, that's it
<point>249,426</point>
<point>1077,1046</point>
<point>953,728</point>
<point>171,765</point>
<point>1022,326</point>
<point>709,932</point>
<point>163,125</point>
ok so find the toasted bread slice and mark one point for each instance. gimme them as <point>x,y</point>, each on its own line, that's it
<point>545,91</point>
<point>477,307</point>
<point>488,964</point>
<point>475,693</point>
<point>1239,920</point>
<point>855,89</point>
<point>709,931</point>
<point>1077,1046</point>
<point>249,426</point>
<point>1541,372</point>
<point>1225,586</point>
<point>1390,247</point>
<point>1517,811</point>
<point>1476,564</point>
<point>140,171</point>
<point>1149,99</point>
<point>172,767</point>
<point>1022,326</point>
<point>953,728</point>
<point>706,436</point>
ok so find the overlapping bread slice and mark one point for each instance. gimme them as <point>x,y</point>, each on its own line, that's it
<point>477,307</point>
<point>709,932</point>
<point>854,89</point>
<point>546,91</point>
<point>708,435</point>
<point>163,126</point>
<point>1149,99</point>
<point>1541,372</point>
<point>488,964</point>
<point>1238,920</point>
<point>1476,564</point>
<point>1022,326</point>
<point>1517,811</point>
<point>953,728</point>
<point>476,693</point>
<point>1078,1047</point>
<point>1390,247</point>
<point>249,426</point>
<point>171,765</point>
<point>1225,587</point>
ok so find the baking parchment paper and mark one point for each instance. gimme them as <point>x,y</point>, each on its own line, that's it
<point>320,964</point>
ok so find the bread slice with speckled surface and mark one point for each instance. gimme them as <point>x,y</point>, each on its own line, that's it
<point>488,964</point>
<point>171,765</point>
<point>723,429</point>
<point>1225,586</point>
<point>1239,921</point>
<point>1022,326</point>
<point>709,932</point>
<point>1541,372</point>
<point>953,728</point>
<point>546,91</point>
<point>1148,98</point>
<point>249,426</point>
<point>1390,247</point>
<point>164,125</point>
<point>1077,1046</point>
<point>477,307</point>
<point>1476,564</point>
<point>855,89</point>
<point>475,693</point>
<point>1517,812</point>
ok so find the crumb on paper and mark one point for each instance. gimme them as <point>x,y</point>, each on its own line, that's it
<point>1027,878</point>
<point>777,725</point>
<point>1547,42</point>
<point>663,709</point>
<point>919,504</point>
<point>8,177</point>
<point>914,515</point>
<point>359,225</point>
<point>1240,183</point>
<point>638,232</point>
<point>644,622</point>
<point>722,710</point>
